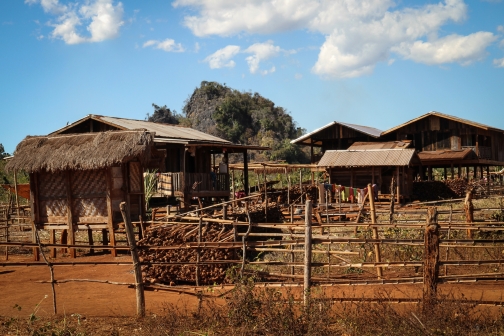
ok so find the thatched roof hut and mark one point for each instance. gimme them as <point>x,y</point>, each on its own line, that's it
<point>84,151</point>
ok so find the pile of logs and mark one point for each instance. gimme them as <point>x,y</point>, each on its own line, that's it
<point>458,186</point>
<point>436,190</point>
<point>258,215</point>
<point>179,235</point>
<point>432,191</point>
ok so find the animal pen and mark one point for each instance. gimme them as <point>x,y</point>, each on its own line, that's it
<point>325,245</point>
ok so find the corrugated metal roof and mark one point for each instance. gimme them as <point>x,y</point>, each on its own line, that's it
<point>447,116</point>
<point>380,145</point>
<point>374,132</point>
<point>467,153</point>
<point>370,158</point>
<point>164,132</point>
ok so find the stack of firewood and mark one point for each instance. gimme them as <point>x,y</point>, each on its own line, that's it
<point>458,186</point>
<point>258,215</point>
<point>179,235</point>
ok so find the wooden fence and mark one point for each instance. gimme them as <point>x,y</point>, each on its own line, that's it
<point>424,244</point>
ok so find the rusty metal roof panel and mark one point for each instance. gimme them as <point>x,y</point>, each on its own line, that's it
<point>371,131</point>
<point>380,145</point>
<point>446,116</point>
<point>465,154</point>
<point>162,130</point>
<point>367,158</point>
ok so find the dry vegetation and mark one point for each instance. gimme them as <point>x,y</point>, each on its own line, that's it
<point>250,310</point>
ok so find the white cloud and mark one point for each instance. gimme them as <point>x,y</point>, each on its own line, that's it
<point>196,47</point>
<point>499,62</point>
<point>49,6</point>
<point>167,45</point>
<point>450,49</point>
<point>298,76</point>
<point>500,29</point>
<point>358,33</point>
<point>223,57</point>
<point>260,52</point>
<point>102,19</point>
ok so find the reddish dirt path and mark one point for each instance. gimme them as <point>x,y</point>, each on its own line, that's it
<point>19,287</point>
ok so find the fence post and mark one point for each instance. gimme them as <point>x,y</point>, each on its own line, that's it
<point>431,258</point>
<point>136,261</point>
<point>244,238</point>
<point>469,209</point>
<point>377,252</point>
<point>308,250</point>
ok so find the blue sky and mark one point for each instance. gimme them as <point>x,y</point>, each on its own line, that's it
<point>371,62</point>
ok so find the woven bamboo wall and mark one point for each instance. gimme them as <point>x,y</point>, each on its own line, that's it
<point>52,195</point>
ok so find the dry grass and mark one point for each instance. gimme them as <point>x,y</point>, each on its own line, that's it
<point>250,310</point>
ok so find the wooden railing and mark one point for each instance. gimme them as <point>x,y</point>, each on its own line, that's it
<point>177,184</point>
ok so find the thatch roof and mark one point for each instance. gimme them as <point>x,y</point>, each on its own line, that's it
<point>80,151</point>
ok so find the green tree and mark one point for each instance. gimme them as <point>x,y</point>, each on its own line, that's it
<point>164,115</point>
<point>2,152</point>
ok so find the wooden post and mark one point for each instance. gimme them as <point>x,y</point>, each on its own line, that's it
<point>450,217</point>
<point>469,209</point>
<point>431,259</point>
<point>244,238</point>
<point>398,183</point>
<point>301,184</point>
<point>198,251</point>
<point>233,186</point>
<point>377,252</point>
<point>71,231</point>
<point>90,240</point>
<point>245,173</point>
<point>392,200</point>
<point>288,189</point>
<point>265,196</point>
<point>110,240</point>
<point>308,251</point>
<point>136,261</point>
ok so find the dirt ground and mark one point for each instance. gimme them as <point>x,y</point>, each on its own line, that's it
<point>22,294</point>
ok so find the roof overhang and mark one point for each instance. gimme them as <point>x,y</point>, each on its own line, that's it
<point>446,116</point>
<point>306,139</point>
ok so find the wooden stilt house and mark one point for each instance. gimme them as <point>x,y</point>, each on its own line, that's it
<point>189,156</point>
<point>77,181</point>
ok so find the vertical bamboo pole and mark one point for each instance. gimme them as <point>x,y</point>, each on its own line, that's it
<point>265,195</point>
<point>469,209</point>
<point>431,258</point>
<point>377,252</point>
<point>71,231</point>
<point>136,261</point>
<point>288,188</point>
<point>449,232</point>
<point>301,184</point>
<point>198,251</point>
<point>233,185</point>
<point>244,238</point>
<point>308,251</point>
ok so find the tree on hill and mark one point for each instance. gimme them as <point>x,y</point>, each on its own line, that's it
<point>164,115</point>
<point>2,152</point>
<point>246,118</point>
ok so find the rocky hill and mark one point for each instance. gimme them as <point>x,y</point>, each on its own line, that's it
<point>246,118</point>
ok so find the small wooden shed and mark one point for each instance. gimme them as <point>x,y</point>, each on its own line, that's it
<point>77,181</point>
<point>357,168</point>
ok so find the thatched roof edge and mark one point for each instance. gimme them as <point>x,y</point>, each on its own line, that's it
<point>84,151</point>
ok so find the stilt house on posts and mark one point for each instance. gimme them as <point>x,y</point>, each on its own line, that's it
<point>80,174</point>
<point>440,140</point>
<point>185,159</point>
